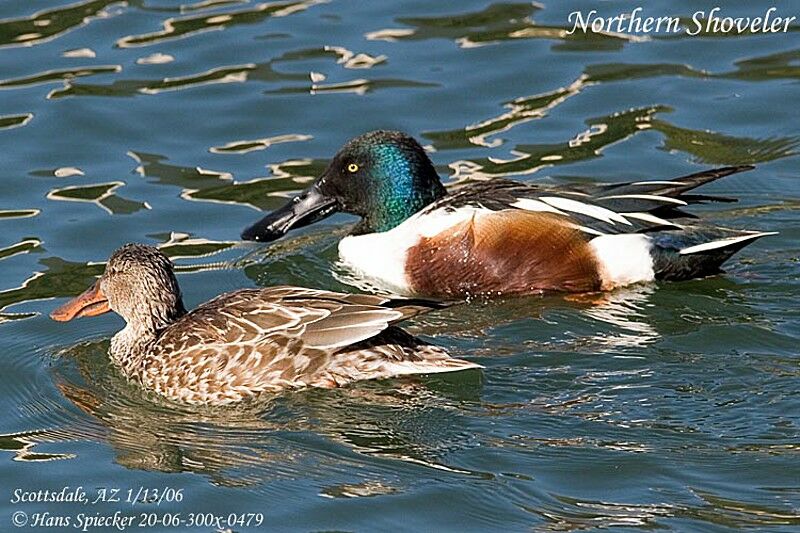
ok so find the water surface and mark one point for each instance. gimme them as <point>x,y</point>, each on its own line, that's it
<point>662,407</point>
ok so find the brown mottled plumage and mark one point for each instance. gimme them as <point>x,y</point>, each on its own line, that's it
<point>249,341</point>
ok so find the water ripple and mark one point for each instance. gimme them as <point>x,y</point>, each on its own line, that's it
<point>670,406</point>
<point>103,195</point>
<point>14,121</point>
<point>245,146</point>
<point>58,75</point>
<point>50,24</point>
<point>177,28</point>
<point>498,23</point>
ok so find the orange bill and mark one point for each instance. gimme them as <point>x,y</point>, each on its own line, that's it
<point>91,303</point>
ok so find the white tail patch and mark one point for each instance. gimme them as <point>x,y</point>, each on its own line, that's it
<point>652,197</point>
<point>724,243</point>
<point>623,259</point>
<point>647,217</point>
<point>600,213</point>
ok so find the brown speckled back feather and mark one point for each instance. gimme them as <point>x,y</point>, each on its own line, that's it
<point>255,340</point>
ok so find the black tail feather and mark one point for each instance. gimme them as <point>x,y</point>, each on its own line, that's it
<point>654,196</point>
<point>697,252</point>
<point>692,181</point>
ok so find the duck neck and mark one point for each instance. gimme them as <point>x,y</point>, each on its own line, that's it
<point>396,210</point>
<point>403,181</point>
<point>130,346</point>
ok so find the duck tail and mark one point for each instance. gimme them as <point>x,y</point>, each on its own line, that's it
<point>416,356</point>
<point>430,365</point>
<point>396,352</point>
<point>663,199</point>
<point>693,252</point>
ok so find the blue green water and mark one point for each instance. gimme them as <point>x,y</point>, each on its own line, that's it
<point>674,406</point>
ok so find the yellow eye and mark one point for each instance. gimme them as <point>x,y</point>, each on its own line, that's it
<point>352,167</point>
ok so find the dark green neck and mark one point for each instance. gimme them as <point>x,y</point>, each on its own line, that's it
<point>395,210</point>
<point>405,182</point>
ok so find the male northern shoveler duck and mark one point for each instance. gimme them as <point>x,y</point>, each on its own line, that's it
<point>502,237</point>
<point>249,341</point>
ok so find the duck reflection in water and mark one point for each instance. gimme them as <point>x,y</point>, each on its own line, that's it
<point>273,437</point>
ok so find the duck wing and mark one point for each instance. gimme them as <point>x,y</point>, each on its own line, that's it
<point>336,320</point>
<point>321,319</point>
<point>648,195</point>
<point>597,209</point>
<point>253,340</point>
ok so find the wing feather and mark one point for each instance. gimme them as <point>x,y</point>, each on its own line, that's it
<point>348,325</point>
<point>631,207</point>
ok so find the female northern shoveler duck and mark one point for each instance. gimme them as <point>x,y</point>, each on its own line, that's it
<point>249,341</point>
<point>502,237</point>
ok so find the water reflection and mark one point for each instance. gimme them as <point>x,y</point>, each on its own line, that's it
<point>259,193</point>
<point>528,158</point>
<point>176,28</point>
<point>124,88</point>
<point>521,110</point>
<point>620,316</point>
<point>624,309</point>
<point>263,72</point>
<point>61,278</point>
<point>200,184</point>
<point>718,149</point>
<point>155,59</point>
<point>79,53</point>
<point>66,172</point>
<point>343,56</point>
<point>152,166</point>
<point>22,247</point>
<point>231,74</point>
<point>508,21</point>
<point>182,246</point>
<point>567,513</point>
<point>781,65</point>
<point>358,86</point>
<point>405,420</point>
<point>245,146</point>
<point>707,146</point>
<point>58,75</point>
<point>640,408</point>
<point>208,4</point>
<point>349,59</point>
<point>103,195</point>
<point>14,121</point>
<point>51,23</point>
<point>18,213</point>
<point>497,23</point>
<point>22,445</point>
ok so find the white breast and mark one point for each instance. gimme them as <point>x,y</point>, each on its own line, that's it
<point>380,258</point>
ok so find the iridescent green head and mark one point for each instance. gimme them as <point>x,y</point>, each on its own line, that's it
<point>382,176</point>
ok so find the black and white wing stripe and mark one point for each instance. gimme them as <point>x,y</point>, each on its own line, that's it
<point>663,198</point>
<point>633,207</point>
